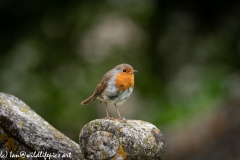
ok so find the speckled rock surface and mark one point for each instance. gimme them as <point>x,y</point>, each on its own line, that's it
<point>21,129</point>
<point>118,140</point>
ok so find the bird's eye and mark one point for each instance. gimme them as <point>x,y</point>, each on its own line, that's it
<point>124,70</point>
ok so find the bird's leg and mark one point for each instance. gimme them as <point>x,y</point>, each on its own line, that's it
<point>119,116</point>
<point>106,110</point>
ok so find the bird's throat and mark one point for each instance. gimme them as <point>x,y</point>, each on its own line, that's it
<point>124,81</point>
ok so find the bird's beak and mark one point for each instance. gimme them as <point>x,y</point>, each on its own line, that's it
<point>133,71</point>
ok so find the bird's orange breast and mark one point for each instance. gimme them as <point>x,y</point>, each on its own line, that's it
<point>124,81</point>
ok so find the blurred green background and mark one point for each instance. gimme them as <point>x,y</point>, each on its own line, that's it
<point>53,54</point>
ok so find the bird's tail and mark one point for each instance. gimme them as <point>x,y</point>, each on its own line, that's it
<point>87,101</point>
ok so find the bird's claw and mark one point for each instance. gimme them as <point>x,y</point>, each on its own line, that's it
<point>109,118</point>
<point>122,118</point>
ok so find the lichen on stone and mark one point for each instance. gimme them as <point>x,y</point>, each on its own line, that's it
<point>21,129</point>
<point>135,140</point>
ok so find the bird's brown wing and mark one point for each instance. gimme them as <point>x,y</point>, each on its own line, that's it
<point>99,89</point>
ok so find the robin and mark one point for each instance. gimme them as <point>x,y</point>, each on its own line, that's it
<point>115,87</point>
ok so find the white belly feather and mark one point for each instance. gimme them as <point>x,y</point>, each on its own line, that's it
<point>112,95</point>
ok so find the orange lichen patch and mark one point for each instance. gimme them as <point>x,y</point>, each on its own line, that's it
<point>3,136</point>
<point>156,131</point>
<point>57,135</point>
<point>20,124</point>
<point>107,133</point>
<point>124,80</point>
<point>104,157</point>
<point>120,154</point>
<point>23,109</point>
<point>10,144</point>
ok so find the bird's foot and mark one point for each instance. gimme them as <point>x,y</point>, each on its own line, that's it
<point>122,118</point>
<point>111,118</point>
